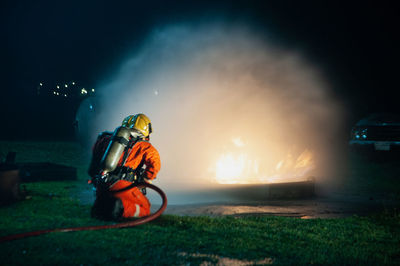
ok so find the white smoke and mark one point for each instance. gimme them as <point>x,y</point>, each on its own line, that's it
<point>204,85</point>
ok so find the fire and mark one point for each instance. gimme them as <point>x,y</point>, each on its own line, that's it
<point>230,169</point>
<point>240,168</point>
<point>292,169</point>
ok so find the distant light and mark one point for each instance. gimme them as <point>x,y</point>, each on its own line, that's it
<point>83,91</point>
<point>58,87</point>
<point>58,93</point>
<point>73,83</point>
<point>54,92</point>
<point>65,95</point>
<point>41,84</point>
<point>66,86</point>
<point>91,107</point>
<point>92,90</point>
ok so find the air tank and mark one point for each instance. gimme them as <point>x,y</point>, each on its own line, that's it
<point>115,149</point>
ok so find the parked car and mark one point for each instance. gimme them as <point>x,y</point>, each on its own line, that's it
<point>377,132</point>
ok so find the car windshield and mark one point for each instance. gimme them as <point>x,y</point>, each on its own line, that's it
<point>380,118</point>
<point>387,118</point>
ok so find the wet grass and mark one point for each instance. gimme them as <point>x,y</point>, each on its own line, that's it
<point>179,240</point>
<point>174,240</point>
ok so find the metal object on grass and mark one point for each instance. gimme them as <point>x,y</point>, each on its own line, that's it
<point>262,192</point>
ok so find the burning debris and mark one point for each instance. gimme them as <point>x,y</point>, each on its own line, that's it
<point>241,168</point>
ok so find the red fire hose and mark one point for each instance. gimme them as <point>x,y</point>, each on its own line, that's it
<point>98,227</point>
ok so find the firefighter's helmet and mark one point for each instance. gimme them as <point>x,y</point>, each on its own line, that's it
<point>140,122</point>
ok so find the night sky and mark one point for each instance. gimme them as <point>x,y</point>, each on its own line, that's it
<point>355,46</point>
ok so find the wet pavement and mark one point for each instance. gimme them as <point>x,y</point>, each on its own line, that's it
<point>334,206</point>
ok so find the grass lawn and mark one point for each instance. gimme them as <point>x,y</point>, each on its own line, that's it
<point>373,240</point>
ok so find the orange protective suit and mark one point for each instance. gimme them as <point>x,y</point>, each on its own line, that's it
<point>135,203</point>
<point>142,153</point>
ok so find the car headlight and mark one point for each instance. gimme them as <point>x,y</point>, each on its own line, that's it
<point>364,133</point>
<point>360,133</point>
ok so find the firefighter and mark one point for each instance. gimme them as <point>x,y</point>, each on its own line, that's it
<point>139,160</point>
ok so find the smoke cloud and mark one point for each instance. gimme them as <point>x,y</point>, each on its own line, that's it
<point>217,88</point>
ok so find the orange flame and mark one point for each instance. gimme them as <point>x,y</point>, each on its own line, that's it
<point>240,168</point>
